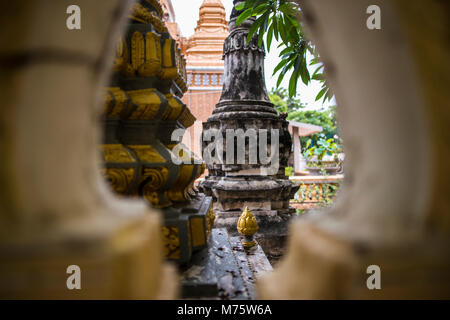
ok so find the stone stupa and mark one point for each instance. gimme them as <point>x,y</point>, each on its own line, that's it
<point>245,105</point>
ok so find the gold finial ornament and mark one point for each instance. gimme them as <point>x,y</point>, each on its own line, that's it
<point>247,226</point>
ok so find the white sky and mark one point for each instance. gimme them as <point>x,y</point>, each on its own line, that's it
<point>187,15</point>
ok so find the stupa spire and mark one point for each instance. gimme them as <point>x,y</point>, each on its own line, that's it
<point>212,29</point>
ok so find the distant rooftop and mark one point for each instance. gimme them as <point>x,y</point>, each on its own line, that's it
<point>305,129</point>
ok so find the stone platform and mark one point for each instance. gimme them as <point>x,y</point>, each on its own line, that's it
<point>224,270</point>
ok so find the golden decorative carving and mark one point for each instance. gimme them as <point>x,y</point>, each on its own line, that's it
<point>187,119</point>
<point>178,192</point>
<point>120,53</point>
<point>152,65</point>
<point>158,24</point>
<point>170,70</point>
<point>143,15</point>
<point>155,178</point>
<point>146,168</point>
<point>175,107</point>
<point>147,101</point>
<point>146,153</point>
<point>153,181</point>
<point>116,102</point>
<point>155,4</point>
<point>121,62</point>
<point>116,153</point>
<point>247,226</point>
<point>171,242</point>
<point>140,13</point>
<point>137,50</point>
<point>120,179</point>
<point>173,62</point>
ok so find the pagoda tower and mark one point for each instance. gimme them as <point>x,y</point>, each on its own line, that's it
<point>205,47</point>
<point>205,66</point>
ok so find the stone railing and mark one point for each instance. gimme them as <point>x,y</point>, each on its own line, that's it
<point>315,191</point>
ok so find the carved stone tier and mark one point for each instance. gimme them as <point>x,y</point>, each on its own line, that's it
<point>244,105</point>
<point>143,108</point>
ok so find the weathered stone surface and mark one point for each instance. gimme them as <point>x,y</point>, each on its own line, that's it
<point>224,270</point>
<point>244,106</point>
<point>200,280</point>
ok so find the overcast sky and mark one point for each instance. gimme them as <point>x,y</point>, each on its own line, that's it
<point>187,11</point>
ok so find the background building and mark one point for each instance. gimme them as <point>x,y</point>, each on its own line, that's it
<point>203,52</point>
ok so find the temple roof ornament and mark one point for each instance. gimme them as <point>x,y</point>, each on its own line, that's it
<point>247,226</point>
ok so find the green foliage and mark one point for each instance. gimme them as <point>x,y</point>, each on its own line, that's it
<point>283,103</point>
<point>295,109</point>
<point>282,20</point>
<point>325,92</point>
<point>289,171</point>
<point>323,147</point>
<point>329,194</point>
<point>324,118</point>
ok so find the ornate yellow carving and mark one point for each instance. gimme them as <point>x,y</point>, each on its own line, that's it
<point>178,192</point>
<point>120,53</point>
<point>146,153</point>
<point>173,62</point>
<point>187,119</point>
<point>147,102</point>
<point>120,179</point>
<point>247,226</point>
<point>146,170</point>
<point>116,153</point>
<point>153,180</point>
<point>157,6</point>
<point>175,107</point>
<point>143,15</point>
<point>116,102</point>
<point>180,63</point>
<point>171,242</point>
<point>121,63</point>
<point>158,24</point>
<point>137,50</point>
<point>170,70</point>
<point>140,13</point>
<point>152,65</point>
